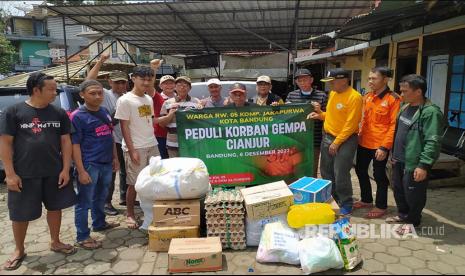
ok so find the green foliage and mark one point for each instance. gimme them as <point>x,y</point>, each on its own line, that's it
<point>7,51</point>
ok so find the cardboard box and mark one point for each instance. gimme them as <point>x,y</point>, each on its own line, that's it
<point>160,237</point>
<point>195,255</point>
<point>334,206</point>
<point>311,190</point>
<point>176,213</point>
<point>267,200</point>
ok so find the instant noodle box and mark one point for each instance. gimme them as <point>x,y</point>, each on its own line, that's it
<point>195,255</point>
<point>311,190</point>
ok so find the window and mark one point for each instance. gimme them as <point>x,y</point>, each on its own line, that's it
<point>114,50</point>
<point>456,115</point>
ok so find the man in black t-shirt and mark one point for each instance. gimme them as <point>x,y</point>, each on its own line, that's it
<point>36,149</point>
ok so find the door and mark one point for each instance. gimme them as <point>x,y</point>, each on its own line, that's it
<point>436,77</point>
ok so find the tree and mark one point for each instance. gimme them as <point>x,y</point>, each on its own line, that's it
<point>7,51</point>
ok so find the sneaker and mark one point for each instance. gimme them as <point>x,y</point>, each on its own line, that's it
<point>345,211</point>
<point>110,210</point>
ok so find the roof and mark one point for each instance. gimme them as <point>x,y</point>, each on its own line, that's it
<point>193,27</point>
<point>59,72</point>
<point>397,16</point>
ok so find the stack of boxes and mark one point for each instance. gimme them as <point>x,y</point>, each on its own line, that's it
<point>173,219</point>
<point>225,216</point>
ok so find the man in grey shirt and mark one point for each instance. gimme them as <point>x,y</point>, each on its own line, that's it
<point>118,82</point>
<point>215,99</point>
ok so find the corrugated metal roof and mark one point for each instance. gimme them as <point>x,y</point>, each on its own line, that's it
<point>192,27</point>
<point>59,72</point>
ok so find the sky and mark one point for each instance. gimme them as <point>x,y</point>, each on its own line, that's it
<point>10,6</point>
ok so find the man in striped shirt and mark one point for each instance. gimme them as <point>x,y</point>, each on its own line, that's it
<point>306,94</point>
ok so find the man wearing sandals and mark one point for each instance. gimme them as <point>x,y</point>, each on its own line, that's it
<point>95,156</point>
<point>376,136</point>
<point>36,149</point>
<point>135,112</point>
<point>417,146</point>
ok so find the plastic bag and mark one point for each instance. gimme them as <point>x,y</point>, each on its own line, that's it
<point>278,244</point>
<point>319,254</point>
<point>173,179</point>
<point>147,208</point>
<point>254,228</point>
<point>310,214</point>
<point>347,243</point>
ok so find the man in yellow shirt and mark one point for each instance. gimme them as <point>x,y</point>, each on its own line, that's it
<point>340,139</point>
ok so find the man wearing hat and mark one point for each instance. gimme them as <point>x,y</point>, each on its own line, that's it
<point>215,99</point>
<point>118,82</point>
<point>306,94</point>
<point>168,110</point>
<point>340,138</point>
<point>264,95</point>
<point>238,95</point>
<point>167,85</point>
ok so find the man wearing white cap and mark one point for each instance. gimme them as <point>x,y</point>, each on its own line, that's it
<point>167,85</point>
<point>264,95</point>
<point>215,99</point>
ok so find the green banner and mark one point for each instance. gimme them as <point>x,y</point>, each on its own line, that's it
<point>249,145</point>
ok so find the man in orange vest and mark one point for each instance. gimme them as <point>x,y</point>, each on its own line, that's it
<point>376,137</point>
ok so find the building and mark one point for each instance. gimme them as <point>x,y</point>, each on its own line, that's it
<point>429,42</point>
<point>30,38</point>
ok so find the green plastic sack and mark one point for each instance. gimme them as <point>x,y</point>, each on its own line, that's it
<point>310,214</point>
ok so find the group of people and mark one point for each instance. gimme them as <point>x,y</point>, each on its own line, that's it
<point>116,130</point>
<point>380,127</point>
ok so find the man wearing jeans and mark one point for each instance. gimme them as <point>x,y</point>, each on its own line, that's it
<point>340,140</point>
<point>118,81</point>
<point>94,154</point>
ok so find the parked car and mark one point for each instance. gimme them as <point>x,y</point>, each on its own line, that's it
<point>200,89</point>
<point>67,98</point>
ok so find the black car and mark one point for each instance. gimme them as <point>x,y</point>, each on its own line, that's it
<point>67,98</point>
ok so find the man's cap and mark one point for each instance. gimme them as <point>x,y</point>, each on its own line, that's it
<point>337,73</point>
<point>213,81</point>
<point>237,87</point>
<point>183,78</point>
<point>166,78</point>
<point>302,72</point>
<point>264,79</point>
<point>118,76</point>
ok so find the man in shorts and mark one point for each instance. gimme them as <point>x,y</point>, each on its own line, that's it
<point>135,112</point>
<point>36,149</point>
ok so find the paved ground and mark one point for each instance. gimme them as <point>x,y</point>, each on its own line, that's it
<point>125,251</point>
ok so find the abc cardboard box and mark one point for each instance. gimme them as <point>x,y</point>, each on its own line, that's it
<point>176,213</point>
<point>160,237</point>
<point>267,200</point>
<point>195,255</point>
<point>311,190</point>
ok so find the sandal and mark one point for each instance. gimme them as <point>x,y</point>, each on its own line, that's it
<point>64,249</point>
<point>107,226</point>
<point>376,214</point>
<point>14,264</point>
<point>395,220</point>
<point>132,223</point>
<point>362,205</point>
<point>89,244</point>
